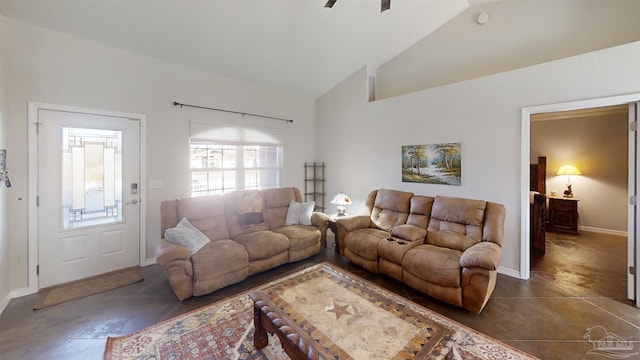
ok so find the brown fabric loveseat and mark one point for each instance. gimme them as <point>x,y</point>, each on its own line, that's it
<point>445,247</point>
<point>234,250</point>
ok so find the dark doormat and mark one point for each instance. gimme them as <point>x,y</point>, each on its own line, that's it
<point>85,287</point>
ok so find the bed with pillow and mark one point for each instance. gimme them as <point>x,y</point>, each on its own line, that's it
<point>210,242</point>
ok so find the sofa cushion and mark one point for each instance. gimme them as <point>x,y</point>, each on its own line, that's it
<point>206,213</point>
<point>201,207</point>
<point>263,244</point>
<point>187,235</point>
<point>390,208</point>
<point>276,202</point>
<point>434,264</point>
<point>233,221</point>
<point>299,213</point>
<point>420,211</point>
<point>409,232</point>
<point>250,207</point>
<point>218,258</point>
<point>215,227</point>
<point>218,264</point>
<point>456,223</point>
<point>300,236</point>
<point>364,242</point>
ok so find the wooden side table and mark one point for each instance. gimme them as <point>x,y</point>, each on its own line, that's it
<point>333,225</point>
<point>563,215</point>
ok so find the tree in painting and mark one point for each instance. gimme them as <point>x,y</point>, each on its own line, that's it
<point>432,164</point>
<point>414,159</point>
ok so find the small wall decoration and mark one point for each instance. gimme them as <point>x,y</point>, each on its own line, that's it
<point>432,164</point>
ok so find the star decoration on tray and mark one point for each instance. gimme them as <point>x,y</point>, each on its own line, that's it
<point>339,310</point>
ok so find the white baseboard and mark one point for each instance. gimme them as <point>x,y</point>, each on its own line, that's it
<point>4,303</point>
<point>15,294</point>
<point>150,261</point>
<point>22,292</point>
<point>509,272</point>
<point>603,231</point>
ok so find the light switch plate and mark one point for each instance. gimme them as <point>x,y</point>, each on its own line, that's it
<point>155,184</point>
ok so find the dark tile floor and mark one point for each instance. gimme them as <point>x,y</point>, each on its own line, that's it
<point>578,284</point>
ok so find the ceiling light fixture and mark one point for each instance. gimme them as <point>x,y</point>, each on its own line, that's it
<point>384,4</point>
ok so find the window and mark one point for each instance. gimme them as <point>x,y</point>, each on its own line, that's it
<point>91,177</point>
<point>221,168</point>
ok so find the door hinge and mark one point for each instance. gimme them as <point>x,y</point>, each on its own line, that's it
<point>37,269</point>
<point>633,200</point>
<point>633,126</point>
<point>38,200</point>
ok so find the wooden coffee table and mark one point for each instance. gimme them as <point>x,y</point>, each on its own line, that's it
<point>326,312</point>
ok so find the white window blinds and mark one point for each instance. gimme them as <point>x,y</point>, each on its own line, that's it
<point>233,134</point>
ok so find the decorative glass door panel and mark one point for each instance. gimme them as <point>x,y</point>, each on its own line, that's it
<point>91,177</point>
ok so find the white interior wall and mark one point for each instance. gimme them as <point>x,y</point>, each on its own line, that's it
<point>519,33</point>
<point>50,67</point>
<point>484,114</point>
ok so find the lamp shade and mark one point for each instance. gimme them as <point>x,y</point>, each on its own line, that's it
<point>568,170</point>
<point>341,199</point>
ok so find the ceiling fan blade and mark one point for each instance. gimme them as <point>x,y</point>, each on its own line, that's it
<point>330,3</point>
<point>386,5</point>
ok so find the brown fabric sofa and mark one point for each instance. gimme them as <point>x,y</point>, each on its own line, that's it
<point>234,251</point>
<point>449,248</point>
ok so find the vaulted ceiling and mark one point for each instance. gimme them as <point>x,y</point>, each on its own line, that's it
<point>295,45</point>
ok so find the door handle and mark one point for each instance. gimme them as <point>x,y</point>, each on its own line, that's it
<point>133,202</point>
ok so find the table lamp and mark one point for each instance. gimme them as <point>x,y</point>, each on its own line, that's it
<point>341,200</point>
<point>568,170</point>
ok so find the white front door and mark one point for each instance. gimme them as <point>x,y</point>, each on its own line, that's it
<point>88,201</point>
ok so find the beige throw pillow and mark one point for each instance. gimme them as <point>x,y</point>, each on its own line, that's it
<point>187,235</point>
<point>299,213</point>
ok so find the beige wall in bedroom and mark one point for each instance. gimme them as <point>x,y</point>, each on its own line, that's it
<point>598,147</point>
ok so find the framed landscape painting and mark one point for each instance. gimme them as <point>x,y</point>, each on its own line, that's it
<point>432,164</point>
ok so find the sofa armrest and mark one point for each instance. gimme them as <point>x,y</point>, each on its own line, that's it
<point>167,252</point>
<point>346,225</point>
<point>353,223</point>
<point>319,219</point>
<point>486,255</point>
<point>409,232</point>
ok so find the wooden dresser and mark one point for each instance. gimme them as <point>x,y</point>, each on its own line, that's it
<point>563,215</point>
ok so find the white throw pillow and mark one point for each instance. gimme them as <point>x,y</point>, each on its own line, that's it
<point>299,213</point>
<point>186,235</point>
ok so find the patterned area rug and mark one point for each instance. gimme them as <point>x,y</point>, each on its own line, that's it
<point>225,330</point>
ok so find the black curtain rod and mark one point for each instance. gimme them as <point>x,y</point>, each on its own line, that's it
<point>175,103</point>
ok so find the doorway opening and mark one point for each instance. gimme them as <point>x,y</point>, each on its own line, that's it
<point>582,243</point>
<point>632,218</point>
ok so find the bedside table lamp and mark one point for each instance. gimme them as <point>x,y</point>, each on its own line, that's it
<point>341,200</point>
<point>568,170</point>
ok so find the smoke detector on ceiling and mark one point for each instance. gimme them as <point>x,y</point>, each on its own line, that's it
<point>482,18</point>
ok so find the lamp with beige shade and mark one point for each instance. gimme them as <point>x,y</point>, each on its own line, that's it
<point>568,170</point>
